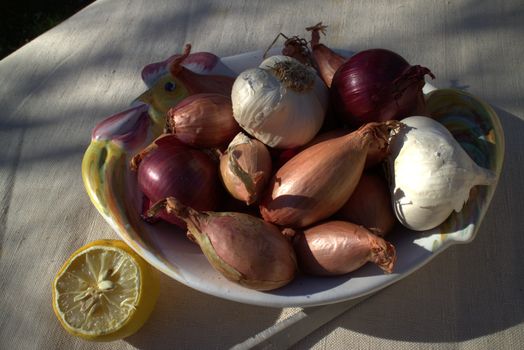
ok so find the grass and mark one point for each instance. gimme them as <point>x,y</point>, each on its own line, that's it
<point>24,20</point>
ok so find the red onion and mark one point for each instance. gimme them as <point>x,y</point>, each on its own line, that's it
<point>167,167</point>
<point>377,85</point>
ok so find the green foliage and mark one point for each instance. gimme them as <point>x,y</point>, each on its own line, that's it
<point>24,20</point>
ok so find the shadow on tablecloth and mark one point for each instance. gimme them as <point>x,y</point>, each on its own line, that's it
<point>469,291</point>
<point>187,319</point>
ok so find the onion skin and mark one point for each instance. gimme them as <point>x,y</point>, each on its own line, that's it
<point>245,168</point>
<point>377,85</point>
<point>339,247</point>
<point>297,48</point>
<point>326,60</point>
<point>203,120</point>
<point>243,248</point>
<point>370,205</point>
<point>316,183</point>
<point>376,153</point>
<point>168,167</point>
<point>324,136</point>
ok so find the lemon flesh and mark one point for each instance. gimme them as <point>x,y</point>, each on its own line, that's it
<point>104,291</point>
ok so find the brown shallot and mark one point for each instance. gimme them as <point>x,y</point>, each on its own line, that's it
<point>316,182</point>
<point>370,205</point>
<point>203,120</point>
<point>245,168</point>
<point>339,247</point>
<point>326,60</point>
<point>376,153</point>
<point>244,249</point>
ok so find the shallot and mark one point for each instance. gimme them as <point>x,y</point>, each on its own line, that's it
<point>326,60</point>
<point>376,153</point>
<point>339,247</point>
<point>203,120</point>
<point>245,168</point>
<point>315,183</point>
<point>243,248</point>
<point>370,205</point>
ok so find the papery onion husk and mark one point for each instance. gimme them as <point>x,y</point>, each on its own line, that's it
<point>315,183</point>
<point>244,249</point>
<point>377,85</point>
<point>245,168</point>
<point>203,120</point>
<point>326,60</point>
<point>167,167</point>
<point>297,48</point>
<point>339,247</point>
<point>376,153</point>
<point>370,205</point>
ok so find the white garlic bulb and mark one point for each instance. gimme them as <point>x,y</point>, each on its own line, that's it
<point>281,103</point>
<point>431,174</point>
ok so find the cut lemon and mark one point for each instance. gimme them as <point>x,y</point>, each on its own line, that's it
<point>104,291</point>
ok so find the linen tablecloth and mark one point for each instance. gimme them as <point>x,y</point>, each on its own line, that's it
<point>56,88</point>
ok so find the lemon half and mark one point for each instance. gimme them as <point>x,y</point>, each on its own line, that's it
<point>104,291</point>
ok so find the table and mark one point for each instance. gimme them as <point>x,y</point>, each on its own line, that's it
<point>57,87</point>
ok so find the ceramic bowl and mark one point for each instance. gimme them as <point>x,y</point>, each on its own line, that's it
<point>113,190</point>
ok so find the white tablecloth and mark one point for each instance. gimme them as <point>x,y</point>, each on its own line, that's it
<point>57,87</point>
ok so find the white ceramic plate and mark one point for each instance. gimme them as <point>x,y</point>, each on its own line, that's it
<point>113,191</point>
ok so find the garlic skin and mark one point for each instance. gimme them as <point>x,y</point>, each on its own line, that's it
<point>430,174</point>
<point>282,103</point>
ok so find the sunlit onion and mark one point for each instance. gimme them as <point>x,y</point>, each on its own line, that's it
<point>315,183</point>
<point>339,247</point>
<point>244,249</point>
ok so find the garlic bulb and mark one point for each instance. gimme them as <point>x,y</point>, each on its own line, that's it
<point>431,175</point>
<point>281,103</point>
